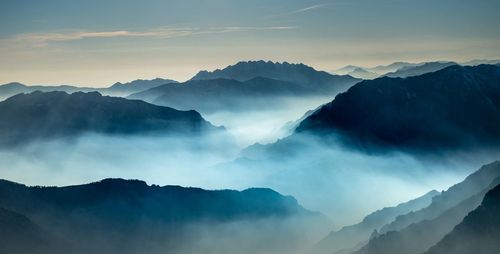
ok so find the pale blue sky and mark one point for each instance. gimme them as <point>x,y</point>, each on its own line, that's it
<point>98,42</point>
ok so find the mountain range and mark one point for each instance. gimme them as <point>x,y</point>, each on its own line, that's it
<point>418,231</point>
<point>117,89</point>
<point>363,74</point>
<point>222,94</point>
<point>409,71</point>
<point>129,216</point>
<point>405,69</point>
<point>453,108</point>
<point>39,115</point>
<point>295,73</point>
<point>350,237</point>
<point>246,85</point>
<point>478,232</point>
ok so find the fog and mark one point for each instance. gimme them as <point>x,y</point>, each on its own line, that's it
<point>343,184</point>
<point>267,123</point>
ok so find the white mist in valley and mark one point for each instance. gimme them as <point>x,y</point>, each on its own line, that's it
<point>267,123</point>
<point>345,185</point>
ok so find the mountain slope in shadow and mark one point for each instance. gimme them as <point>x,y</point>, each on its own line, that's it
<point>28,117</point>
<point>351,236</point>
<point>21,235</point>
<point>129,216</point>
<point>472,185</point>
<point>247,86</point>
<point>451,109</point>
<point>420,236</point>
<point>479,232</point>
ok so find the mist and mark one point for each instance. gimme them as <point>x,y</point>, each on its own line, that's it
<point>343,184</point>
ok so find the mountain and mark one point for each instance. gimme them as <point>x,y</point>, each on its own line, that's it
<point>478,232</point>
<point>38,115</point>
<point>124,89</point>
<point>409,71</point>
<point>10,89</point>
<point>383,69</point>
<point>129,216</point>
<point>363,74</point>
<point>207,96</point>
<point>351,236</point>
<point>480,61</point>
<point>21,235</point>
<point>346,69</point>
<point>117,89</point>
<point>294,73</point>
<point>417,231</point>
<point>472,185</point>
<point>453,108</point>
<point>420,236</point>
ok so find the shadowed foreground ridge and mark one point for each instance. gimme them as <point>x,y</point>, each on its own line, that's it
<point>39,115</point>
<point>123,216</point>
<point>416,232</point>
<point>478,233</point>
<point>453,108</point>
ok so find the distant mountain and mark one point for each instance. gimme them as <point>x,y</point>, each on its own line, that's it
<point>129,216</point>
<point>38,115</point>
<point>351,236</point>
<point>124,89</point>
<point>295,73</point>
<point>480,61</point>
<point>453,108</point>
<point>117,89</point>
<point>207,96</point>
<point>383,69</point>
<point>417,231</point>
<point>346,69</point>
<point>478,233</point>
<point>363,74</point>
<point>11,89</point>
<point>410,71</point>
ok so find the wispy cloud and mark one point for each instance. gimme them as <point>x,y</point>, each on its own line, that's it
<point>43,39</point>
<point>302,10</point>
<point>309,8</point>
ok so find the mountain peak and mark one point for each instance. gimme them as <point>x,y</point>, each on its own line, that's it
<point>431,112</point>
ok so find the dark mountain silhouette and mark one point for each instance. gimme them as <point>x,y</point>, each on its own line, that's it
<point>27,117</point>
<point>454,108</point>
<point>472,185</point>
<point>409,71</point>
<point>124,89</point>
<point>14,88</point>
<point>18,234</point>
<point>129,216</point>
<point>224,94</point>
<point>295,73</point>
<point>419,237</point>
<point>351,236</point>
<point>479,232</point>
<point>117,89</point>
<point>417,231</point>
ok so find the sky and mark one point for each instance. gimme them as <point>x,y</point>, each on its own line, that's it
<point>100,42</point>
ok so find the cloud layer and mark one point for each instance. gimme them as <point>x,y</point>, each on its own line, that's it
<point>43,39</point>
